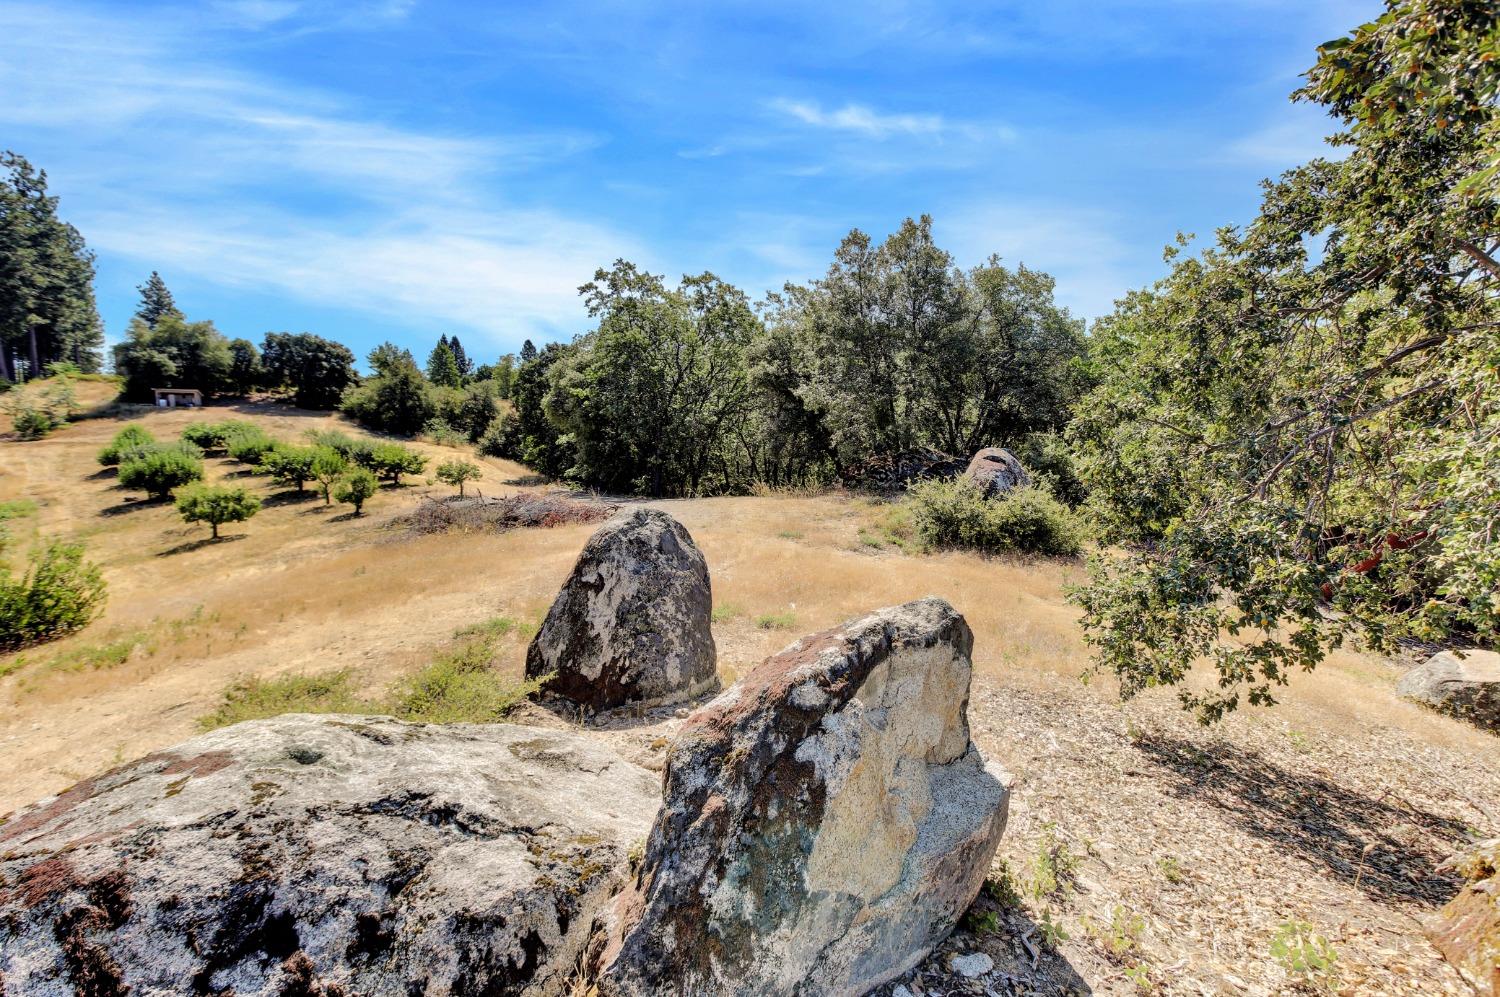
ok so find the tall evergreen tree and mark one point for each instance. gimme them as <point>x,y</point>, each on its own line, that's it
<point>442,369</point>
<point>528,352</point>
<point>465,365</point>
<point>47,308</point>
<point>156,301</point>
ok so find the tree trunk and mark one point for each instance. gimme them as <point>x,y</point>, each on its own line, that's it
<point>36,362</point>
<point>5,374</point>
<point>214,527</point>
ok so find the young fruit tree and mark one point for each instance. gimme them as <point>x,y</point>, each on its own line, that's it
<point>456,472</point>
<point>355,487</point>
<point>328,465</point>
<point>215,505</point>
<point>288,465</point>
<point>391,460</point>
<point>157,472</point>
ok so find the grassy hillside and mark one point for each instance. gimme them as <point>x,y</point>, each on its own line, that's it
<point>1182,850</point>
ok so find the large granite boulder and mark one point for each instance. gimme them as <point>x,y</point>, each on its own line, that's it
<point>320,856</point>
<point>1467,929</point>
<point>996,471</point>
<point>826,820</point>
<point>1467,687</point>
<point>631,624</point>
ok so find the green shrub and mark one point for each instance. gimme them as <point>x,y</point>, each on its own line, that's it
<point>502,438</point>
<point>255,699</point>
<point>32,422</point>
<point>328,465</point>
<point>159,470</point>
<point>215,505</point>
<point>456,472</point>
<point>288,465</point>
<point>355,487</point>
<point>391,460</point>
<point>127,442</point>
<point>59,594</point>
<point>249,445</point>
<point>1026,520</point>
<point>204,435</point>
<point>460,687</point>
<point>439,431</point>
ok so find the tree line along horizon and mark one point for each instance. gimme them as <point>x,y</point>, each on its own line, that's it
<point>1289,441</point>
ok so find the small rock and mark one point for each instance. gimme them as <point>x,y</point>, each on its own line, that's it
<point>631,624</point>
<point>972,965</point>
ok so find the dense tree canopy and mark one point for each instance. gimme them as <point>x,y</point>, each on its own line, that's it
<point>317,370</point>
<point>1296,433</point>
<point>47,308</point>
<point>174,353</point>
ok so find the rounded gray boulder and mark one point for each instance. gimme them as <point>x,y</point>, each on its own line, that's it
<point>996,471</point>
<point>632,622</point>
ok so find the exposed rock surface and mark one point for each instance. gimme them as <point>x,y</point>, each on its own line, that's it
<point>826,821</point>
<point>898,470</point>
<point>1467,687</point>
<point>632,622</point>
<point>996,471</point>
<point>322,855</point>
<point>1467,929</point>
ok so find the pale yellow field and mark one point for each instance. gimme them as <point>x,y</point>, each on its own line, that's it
<point>303,587</point>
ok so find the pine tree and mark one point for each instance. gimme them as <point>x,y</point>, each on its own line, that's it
<point>442,369</point>
<point>156,301</point>
<point>465,365</point>
<point>528,352</point>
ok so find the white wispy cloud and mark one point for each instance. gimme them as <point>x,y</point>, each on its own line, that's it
<point>862,120</point>
<point>193,166</point>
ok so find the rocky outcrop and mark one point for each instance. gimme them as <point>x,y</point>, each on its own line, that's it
<point>631,624</point>
<point>1467,687</point>
<point>890,472</point>
<point>826,821</point>
<point>1467,929</point>
<point>319,856</point>
<point>996,471</point>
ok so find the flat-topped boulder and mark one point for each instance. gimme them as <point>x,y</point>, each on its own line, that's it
<point>1466,687</point>
<point>632,622</point>
<point>323,855</point>
<point>826,820</point>
<point>996,471</point>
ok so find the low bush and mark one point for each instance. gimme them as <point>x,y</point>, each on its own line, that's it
<point>256,699</point>
<point>1026,520</point>
<point>442,433</point>
<point>59,594</point>
<point>127,443</point>
<point>355,488</point>
<point>216,505</point>
<point>32,422</point>
<point>461,686</point>
<point>158,470</point>
<point>249,445</point>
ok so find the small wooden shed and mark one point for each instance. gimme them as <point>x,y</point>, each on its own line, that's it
<point>175,397</point>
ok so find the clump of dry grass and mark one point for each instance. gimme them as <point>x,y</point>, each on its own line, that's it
<point>489,515</point>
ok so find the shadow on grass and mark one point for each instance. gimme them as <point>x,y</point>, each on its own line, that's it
<point>131,505</point>
<point>345,517</point>
<point>527,480</point>
<point>192,545</point>
<point>290,496</point>
<point>1319,820</point>
<point>104,472</point>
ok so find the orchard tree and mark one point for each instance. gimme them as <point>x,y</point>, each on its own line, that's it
<point>159,470</point>
<point>391,460</point>
<point>328,465</point>
<point>288,465</point>
<point>355,488</point>
<point>1295,437</point>
<point>457,472</point>
<point>216,505</point>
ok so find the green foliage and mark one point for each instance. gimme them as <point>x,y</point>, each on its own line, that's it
<point>38,411</point>
<point>32,422</point>
<point>355,487</point>
<point>245,370</point>
<point>60,593</point>
<point>1053,867</point>
<point>157,471</point>
<point>391,460</point>
<point>439,431</point>
<point>397,400</point>
<point>457,472</point>
<point>173,353</point>
<point>47,308</point>
<point>203,435</point>
<point>461,686</point>
<point>328,465</point>
<point>532,438</point>
<point>1305,954</point>
<point>256,699</point>
<point>784,620</point>
<point>289,465</point>
<point>317,371</point>
<point>249,445</point>
<point>442,368</point>
<point>126,442</point>
<point>1296,447</point>
<point>216,505</point>
<point>156,301</point>
<point>1121,937</point>
<point>1025,520</point>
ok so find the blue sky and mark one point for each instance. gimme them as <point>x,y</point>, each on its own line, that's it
<point>404,168</point>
